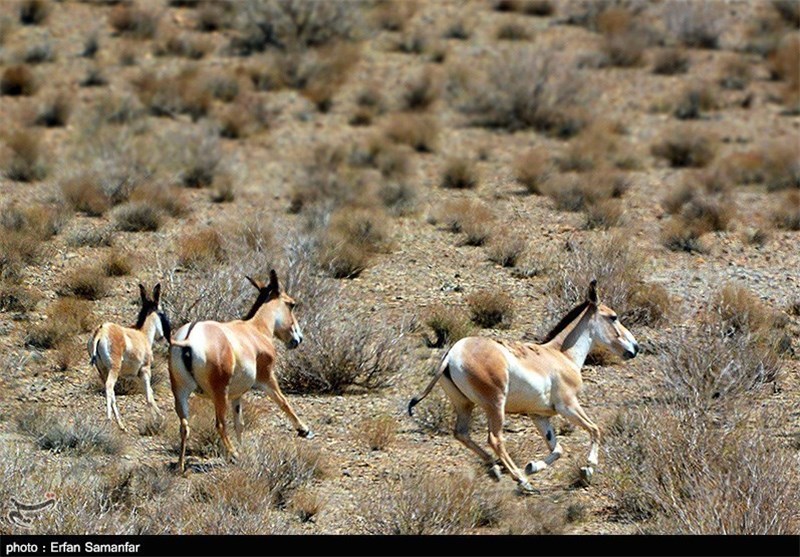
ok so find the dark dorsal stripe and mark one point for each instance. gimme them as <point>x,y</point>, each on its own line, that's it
<point>566,320</point>
<point>263,297</point>
<point>146,310</point>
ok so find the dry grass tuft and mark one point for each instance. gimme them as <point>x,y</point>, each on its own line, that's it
<point>420,132</point>
<point>352,237</point>
<point>18,81</point>
<point>696,25</point>
<point>421,91</point>
<point>507,248</point>
<point>26,160</point>
<point>532,170</point>
<point>489,309</point>
<point>84,193</point>
<point>201,249</point>
<point>671,61</point>
<point>379,432</point>
<point>460,173</point>
<point>138,217</point>
<point>33,12</point>
<point>80,435</point>
<point>131,21</point>
<point>787,212</point>
<point>512,31</point>
<point>686,147</point>
<point>54,113</point>
<point>117,264</point>
<point>88,283</point>
<point>694,101</point>
<point>449,325</point>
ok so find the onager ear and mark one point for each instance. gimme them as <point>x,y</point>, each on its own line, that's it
<point>258,285</point>
<point>591,295</point>
<point>273,281</point>
<point>157,293</point>
<point>142,292</point>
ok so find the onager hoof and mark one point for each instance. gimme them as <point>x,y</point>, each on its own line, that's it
<point>525,488</point>
<point>494,472</point>
<point>307,434</point>
<point>534,466</point>
<point>587,472</point>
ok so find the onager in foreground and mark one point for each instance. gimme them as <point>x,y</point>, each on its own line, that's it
<point>222,361</point>
<point>116,350</point>
<point>540,380</point>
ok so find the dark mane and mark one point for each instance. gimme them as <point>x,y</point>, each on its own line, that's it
<point>256,305</point>
<point>566,320</point>
<point>142,317</point>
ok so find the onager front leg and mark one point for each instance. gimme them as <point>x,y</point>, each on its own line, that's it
<point>145,375</point>
<point>549,434</point>
<point>576,416</point>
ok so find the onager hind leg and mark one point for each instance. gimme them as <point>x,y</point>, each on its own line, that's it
<point>220,410</point>
<point>111,398</point>
<point>576,416</point>
<point>495,416</point>
<point>238,426</point>
<point>182,409</point>
<point>464,408</point>
<point>549,434</point>
<point>273,390</point>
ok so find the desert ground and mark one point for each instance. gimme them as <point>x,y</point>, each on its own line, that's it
<point>415,172</point>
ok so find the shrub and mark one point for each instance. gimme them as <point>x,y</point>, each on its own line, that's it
<point>168,199</point>
<point>512,31</point>
<point>739,311</point>
<point>421,91</point>
<point>58,433</point>
<point>694,100</point>
<point>694,25</point>
<point>781,167</point>
<point>132,21</point>
<point>399,196</point>
<point>788,10</point>
<point>137,217</point>
<point>184,45</point>
<point>212,16</point>
<point>449,324</point>
<point>528,90</point>
<point>17,248</point>
<point>37,54</point>
<point>83,193</point>
<point>490,309</point>
<point>33,12</point>
<point>736,73</point>
<point>507,248</point>
<point>577,193</point>
<point>676,236</point>
<point>671,61</point>
<point>54,113</point>
<point>456,214</point>
<point>460,173</point>
<point>223,189</point>
<point>624,42</point>
<point>327,178</point>
<point>169,95</point>
<point>117,264</point>
<point>603,214</point>
<point>417,131</point>
<point>17,298</point>
<point>458,30</point>
<point>532,170</point>
<point>65,317</point>
<point>201,161</point>
<point>87,283</point>
<point>18,81</point>
<point>201,249</point>
<point>351,238</point>
<point>393,16</point>
<point>787,212</point>
<point>25,163</point>
<point>379,432</point>
<point>686,147</point>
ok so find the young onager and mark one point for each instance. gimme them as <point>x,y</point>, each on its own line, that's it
<point>540,380</point>
<point>116,350</point>
<point>222,361</point>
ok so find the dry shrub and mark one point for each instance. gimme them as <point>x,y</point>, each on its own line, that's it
<point>138,217</point>
<point>597,146</point>
<point>379,432</point>
<point>350,240</point>
<point>696,213</point>
<point>171,94</point>
<point>327,179</point>
<point>26,160</point>
<point>491,309</point>
<point>620,274</point>
<point>164,198</point>
<point>16,298</point>
<point>91,237</point>
<point>603,214</point>
<point>200,160</point>
<point>185,45</point>
<point>781,166</point>
<point>783,62</point>
<point>54,112</point>
<point>131,21</point>
<point>201,249</point>
<point>17,249</point>
<point>737,310</point>
<point>399,196</point>
<point>307,504</point>
<point>671,61</point>
<point>37,54</point>
<point>248,115</point>
<point>532,170</point>
<point>38,222</point>
<point>721,489</point>
<point>512,31</point>
<point>694,100</point>
<point>429,503</point>
<point>694,24</point>
<point>460,173</point>
<point>223,190</point>
<point>457,214</point>
<point>533,89</point>
<point>459,30</point>
<point>117,264</point>
<point>624,41</point>
<point>65,318</point>
<point>87,283</point>
<point>507,247</point>
<point>449,324</point>
<point>392,15</point>
<point>320,74</point>
<point>789,10</point>
<point>223,86</point>
<point>18,81</point>
<point>33,12</point>
<point>787,212</point>
<point>421,91</point>
<point>676,236</point>
<point>85,194</point>
<point>79,435</point>
<point>213,16</point>
<point>420,132</point>
<point>736,73</point>
<point>578,193</point>
<point>686,147</point>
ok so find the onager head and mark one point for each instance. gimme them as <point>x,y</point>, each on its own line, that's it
<point>606,328</point>
<point>152,304</point>
<point>285,325</point>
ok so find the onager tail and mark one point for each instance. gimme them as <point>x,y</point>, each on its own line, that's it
<point>95,342</point>
<point>442,367</point>
<point>186,352</point>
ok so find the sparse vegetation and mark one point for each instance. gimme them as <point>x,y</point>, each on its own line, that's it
<point>137,217</point>
<point>25,163</point>
<point>489,309</point>
<point>532,170</point>
<point>449,325</point>
<point>460,174</point>
<point>379,432</point>
<point>686,147</point>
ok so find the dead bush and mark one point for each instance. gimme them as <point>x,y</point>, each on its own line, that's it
<point>507,248</point>
<point>421,91</point>
<point>78,435</point>
<point>18,81</point>
<point>137,217</point>
<point>91,237</point>
<point>17,249</point>
<point>87,283</point>
<point>327,179</point>
<point>677,236</point>
<point>737,310</point>
<point>735,73</point>
<point>132,21</point>
<point>449,325</point>
<point>460,173</point>
<point>719,490</point>
<point>698,211</point>
<point>33,12</point>
<point>223,190</point>
<point>624,42</point>
<point>420,132</point>
<point>117,264</point>
<point>352,237</point>
<point>696,25</point>
<point>512,31</point>
<point>185,45</point>
<point>603,214</point>
<point>201,249</point>
<point>459,30</point>
<point>85,194</point>
<point>456,214</point>
<point>578,193</point>
<point>379,432</point>
<point>694,101</point>
<point>686,147</point>
<point>787,213</point>
<point>54,112</point>
<point>164,198</point>
<point>671,61</point>
<point>491,309</point>
<point>16,298</point>
<point>532,170</point>
<point>596,147</point>
<point>620,274</point>
<point>171,94</point>
<point>201,160</point>
<point>781,167</point>
<point>532,89</point>
<point>26,160</point>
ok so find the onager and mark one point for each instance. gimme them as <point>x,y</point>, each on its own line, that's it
<point>540,380</point>
<point>116,350</point>
<point>223,361</point>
